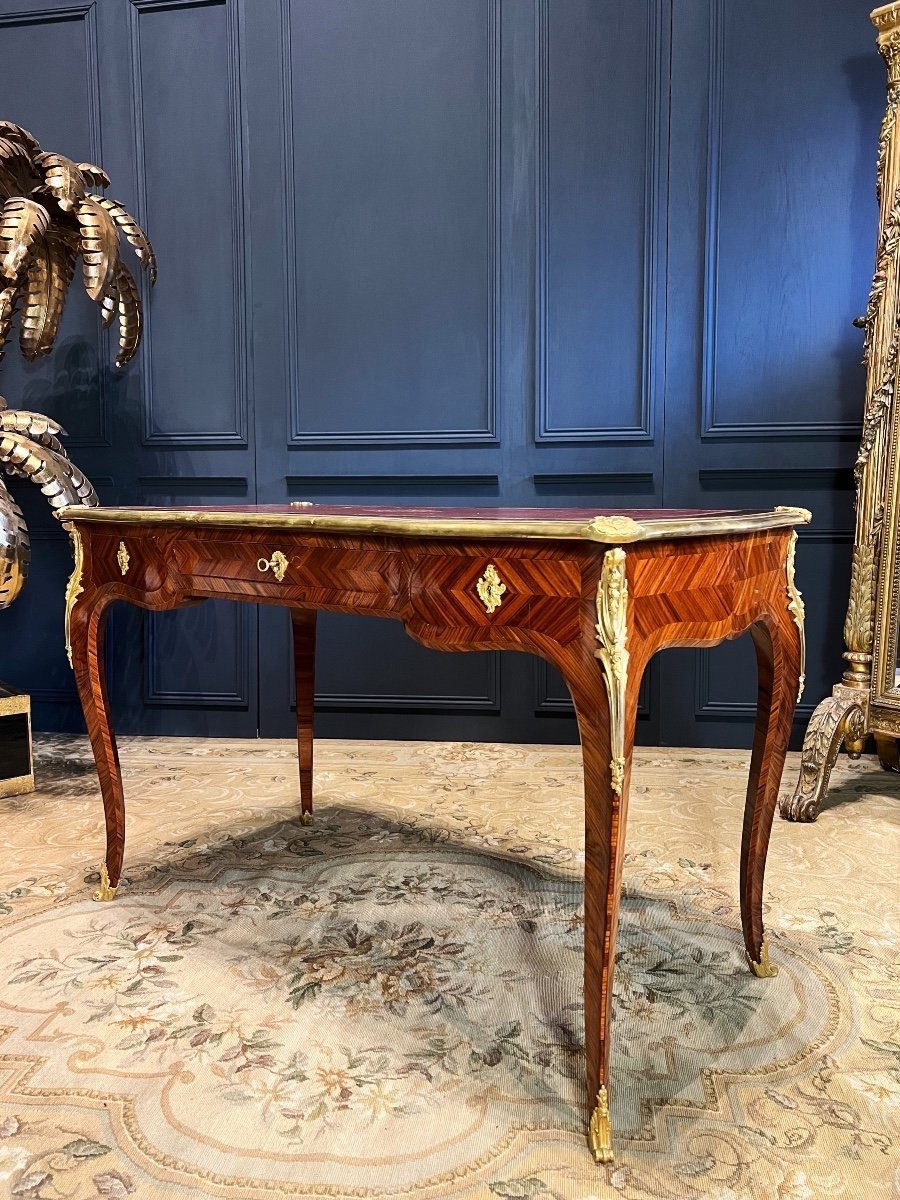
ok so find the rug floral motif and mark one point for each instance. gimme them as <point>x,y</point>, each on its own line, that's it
<point>387,1003</point>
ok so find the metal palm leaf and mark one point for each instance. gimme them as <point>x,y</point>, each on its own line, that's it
<point>50,216</point>
<point>30,448</point>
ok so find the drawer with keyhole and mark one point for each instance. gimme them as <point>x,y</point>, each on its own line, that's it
<point>276,567</point>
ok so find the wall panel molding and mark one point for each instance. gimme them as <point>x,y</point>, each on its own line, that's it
<point>605,482</point>
<point>487,703</point>
<point>237,435</point>
<point>776,478</point>
<point>653,248</point>
<point>156,696</point>
<point>209,485</point>
<point>297,437</point>
<point>391,483</point>
<point>712,427</point>
<point>707,708</point>
<point>546,704</point>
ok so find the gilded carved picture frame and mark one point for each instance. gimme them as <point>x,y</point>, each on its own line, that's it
<point>885,691</point>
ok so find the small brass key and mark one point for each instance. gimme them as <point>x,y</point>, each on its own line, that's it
<point>277,564</point>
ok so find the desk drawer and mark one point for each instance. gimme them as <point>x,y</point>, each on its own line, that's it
<point>276,567</point>
<point>483,592</point>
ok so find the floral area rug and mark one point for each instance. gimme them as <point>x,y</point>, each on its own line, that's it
<point>387,1003</point>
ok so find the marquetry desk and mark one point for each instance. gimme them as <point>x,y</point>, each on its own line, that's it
<point>594,594</point>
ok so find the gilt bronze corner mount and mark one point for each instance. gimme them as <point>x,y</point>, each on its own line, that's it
<point>612,635</point>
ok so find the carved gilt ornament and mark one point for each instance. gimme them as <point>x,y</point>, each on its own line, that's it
<point>612,634</point>
<point>74,587</point>
<point>491,589</point>
<point>796,609</point>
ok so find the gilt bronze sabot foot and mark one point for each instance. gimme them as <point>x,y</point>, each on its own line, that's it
<point>105,891</point>
<point>600,1131</point>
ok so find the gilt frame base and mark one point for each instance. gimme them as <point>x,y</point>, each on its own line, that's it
<point>841,717</point>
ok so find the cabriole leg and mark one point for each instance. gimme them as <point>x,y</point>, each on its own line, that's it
<point>778,642</point>
<point>87,629</point>
<point>604,687</point>
<point>606,780</point>
<point>303,623</point>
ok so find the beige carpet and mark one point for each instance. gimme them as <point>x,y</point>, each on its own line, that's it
<point>388,1003</point>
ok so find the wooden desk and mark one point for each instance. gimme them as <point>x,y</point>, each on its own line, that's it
<point>595,594</point>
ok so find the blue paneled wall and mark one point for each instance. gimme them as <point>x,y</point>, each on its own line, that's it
<point>496,251</point>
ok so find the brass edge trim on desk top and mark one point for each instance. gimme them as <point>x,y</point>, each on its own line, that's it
<point>611,528</point>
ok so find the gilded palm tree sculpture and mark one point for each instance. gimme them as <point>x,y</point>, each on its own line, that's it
<point>48,219</point>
